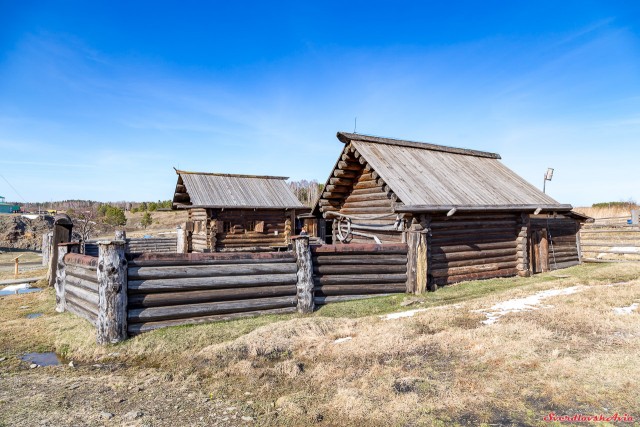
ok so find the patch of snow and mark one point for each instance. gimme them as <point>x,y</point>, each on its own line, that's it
<point>401,314</point>
<point>626,249</point>
<point>14,288</point>
<point>626,310</point>
<point>341,340</point>
<point>532,302</point>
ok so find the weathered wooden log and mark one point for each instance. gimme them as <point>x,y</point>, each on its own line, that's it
<point>452,224</point>
<point>380,203</point>
<point>474,240</point>
<point>364,249</point>
<point>416,259</point>
<point>377,288</point>
<point>361,185</point>
<point>148,273</point>
<point>440,248</point>
<point>60,279</point>
<point>340,181</point>
<point>83,294</point>
<point>359,268</point>
<point>112,290</point>
<point>371,190</point>
<point>137,328</point>
<point>340,173</point>
<point>456,271</point>
<point>346,166</point>
<point>467,262</point>
<point>152,314</point>
<point>356,211</point>
<point>349,259</point>
<point>46,248</point>
<point>358,279</point>
<point>82,283</point>
<point>121,235</point>
<point>211,295</point>
<point>337,188</point>
<point>304,285</point>
<point>196,283</point>
<point>76,307</point>
<point>458,256</point>
<point>368,197</point>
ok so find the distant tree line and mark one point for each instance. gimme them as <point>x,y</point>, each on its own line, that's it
<point>630,204</point>
<point>306,191</point>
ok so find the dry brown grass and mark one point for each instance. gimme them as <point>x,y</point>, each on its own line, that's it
<point>440,367</point>
<point>608,212</point>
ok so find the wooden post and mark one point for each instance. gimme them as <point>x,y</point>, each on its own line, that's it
<point>416,258</point>
<point>121,235</point>
<point>635,216</point>
<point>544,250</point>
<point>180,240</point>
<point>304,285</point>
<point>578,244</point>
<point>61,273</point>
<point>16,270</point>
<point>46,247</point>
<point>112,292</point>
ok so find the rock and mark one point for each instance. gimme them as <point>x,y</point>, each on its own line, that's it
<point>106,415</point>
<point>247,419</point>
<point>33,366</point>
<point>2,359</point>
<point>24,307</point>
<point>133,415</point>
<point>71,364</point>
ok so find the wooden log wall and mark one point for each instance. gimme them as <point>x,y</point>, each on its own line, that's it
<point>151,245</point>
<point>272,233</point>
<point>353,271</point>
<point>201,236</point>
<point>81,286</point>
<point>600,243</point>
<point>470,247</point>
<point>167,290</point>
<point>561,239</point>
<point>357,190</point>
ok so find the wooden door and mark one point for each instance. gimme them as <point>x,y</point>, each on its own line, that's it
<point>538,251</point>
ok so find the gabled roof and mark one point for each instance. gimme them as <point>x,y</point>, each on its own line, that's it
<point>216,190</point>
<point>429,177</point>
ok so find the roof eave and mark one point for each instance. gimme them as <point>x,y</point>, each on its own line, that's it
<point>482,208</point>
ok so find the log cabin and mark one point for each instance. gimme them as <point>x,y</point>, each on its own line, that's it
<point>228,212</point>
<point>467,214</point>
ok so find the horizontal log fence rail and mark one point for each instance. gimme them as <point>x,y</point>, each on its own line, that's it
<point>354,271</point>
<point>139,245</point>
<point>607,243</point>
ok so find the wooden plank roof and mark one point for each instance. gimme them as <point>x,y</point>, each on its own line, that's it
<point>432,177</point>
<point>214,190</point>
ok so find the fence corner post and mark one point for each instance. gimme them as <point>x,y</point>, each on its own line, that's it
<point>61,277</point>
<point>304,285</point>
<point>112,292</point>
<point>181,240</point>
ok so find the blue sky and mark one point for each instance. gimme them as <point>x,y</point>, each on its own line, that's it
<point>101,101</point>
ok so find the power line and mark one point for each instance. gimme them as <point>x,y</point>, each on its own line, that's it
<point>14,189</point>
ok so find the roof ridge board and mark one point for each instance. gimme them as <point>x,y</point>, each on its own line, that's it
<point>230,175</point>
<point>347,137</point>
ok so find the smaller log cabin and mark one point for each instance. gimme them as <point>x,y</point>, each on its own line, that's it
<point>463,211</point>
<point>236,212</point>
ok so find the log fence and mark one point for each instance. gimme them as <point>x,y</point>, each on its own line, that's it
<point>127,294</point>
<point>610,243</point>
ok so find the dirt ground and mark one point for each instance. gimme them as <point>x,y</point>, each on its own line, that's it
<point>565,342</point>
